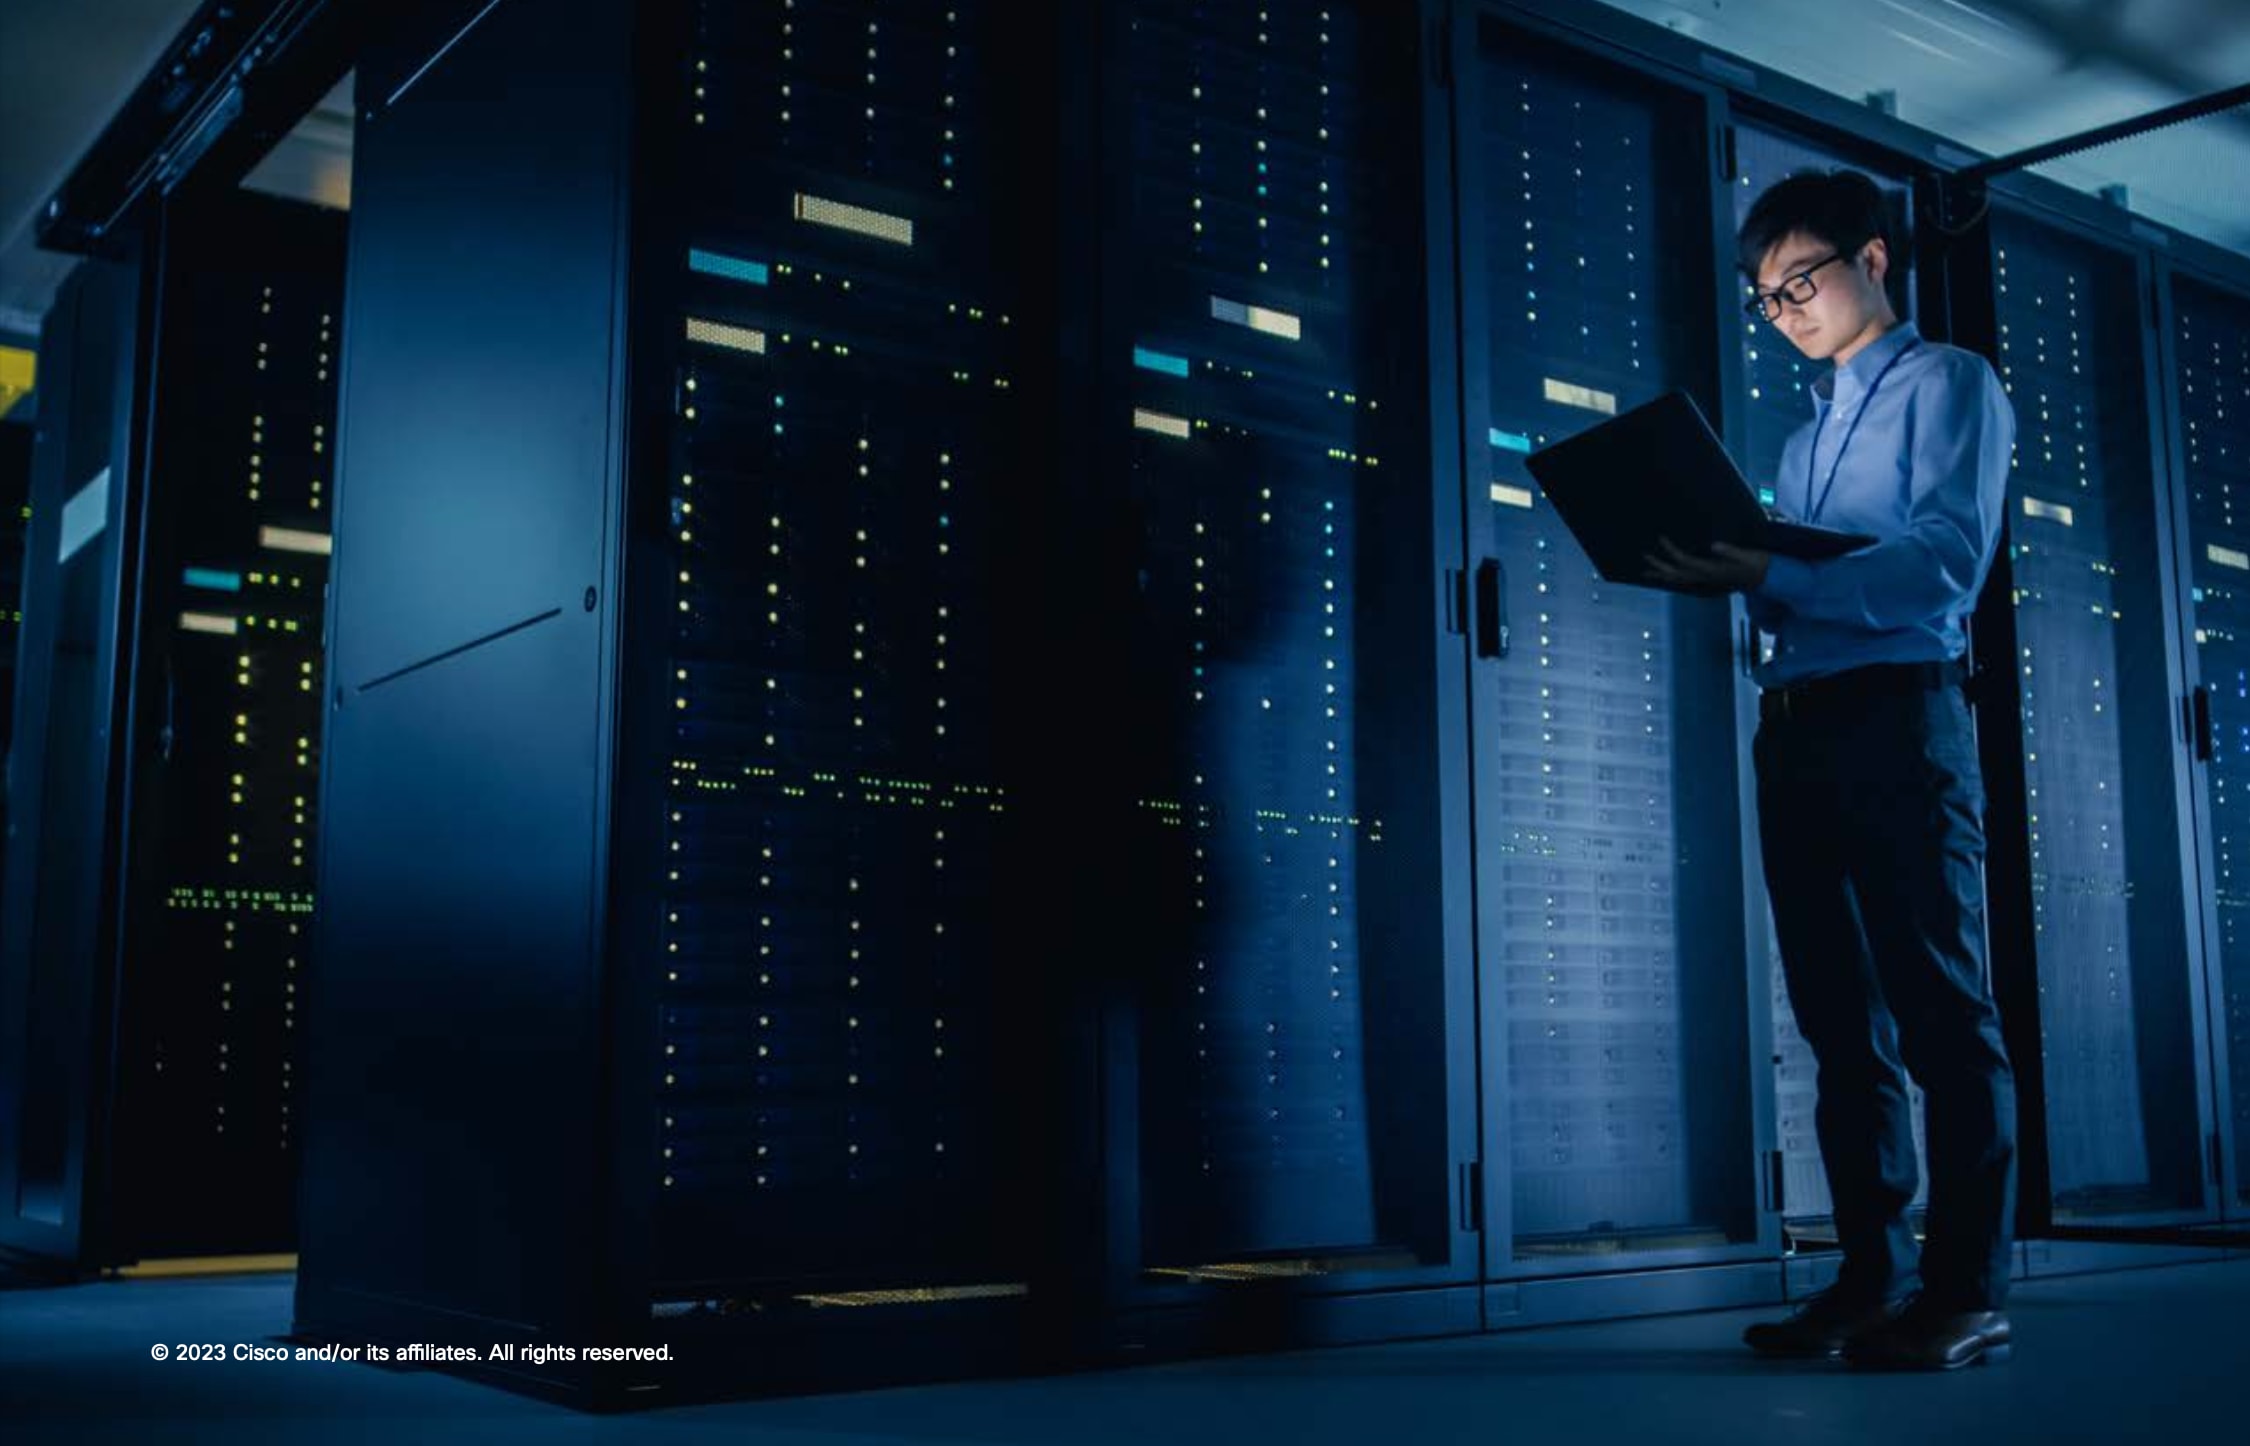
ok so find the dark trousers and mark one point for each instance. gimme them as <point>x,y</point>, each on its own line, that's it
<point>1871,813</point>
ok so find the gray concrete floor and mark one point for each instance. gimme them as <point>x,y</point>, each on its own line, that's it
<point>2131,1356</point>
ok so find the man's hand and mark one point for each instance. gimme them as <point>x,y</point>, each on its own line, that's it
<point>1726,568</point>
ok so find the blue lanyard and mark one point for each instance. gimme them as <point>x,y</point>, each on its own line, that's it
<point>1813,507</point>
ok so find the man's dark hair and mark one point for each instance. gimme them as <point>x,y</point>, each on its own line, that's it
<point>1843,208</point>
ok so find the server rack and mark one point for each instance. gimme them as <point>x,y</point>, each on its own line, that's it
<point>2099,971</point>
<point>66,770</point>
<point>844,704</point>
<point>1626,1130</point>
<point>2203,313</point>
<point>1290,1119</point>
<point>192,862</point>
<point>215,899</point>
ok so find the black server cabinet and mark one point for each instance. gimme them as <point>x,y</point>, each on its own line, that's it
<point>2076,638</point>
<point>694,863</point>
<point>66,770</point>
<point>2207,330</point>
<point>1290,1115</point>
<point>1772,401</point>
<point>1624,1127</point>
<point>215,898</point>
<point>189,859</point>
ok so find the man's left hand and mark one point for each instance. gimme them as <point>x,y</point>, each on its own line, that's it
<point>1726,568</point>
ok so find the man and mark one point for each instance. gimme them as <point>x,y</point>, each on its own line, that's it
<point>1870,800</point>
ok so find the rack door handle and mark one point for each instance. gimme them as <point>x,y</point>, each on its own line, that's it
<point>1492,609</point>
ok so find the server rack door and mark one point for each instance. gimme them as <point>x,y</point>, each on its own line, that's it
<point>2209,334</point>
<point>217,893</point>
<point>450,1166</point>
<point>2119,1013</point>
<point>1288,1102</point>
<point>1774,402</point>
<point>1620,1120</point>
<point>63,775</point>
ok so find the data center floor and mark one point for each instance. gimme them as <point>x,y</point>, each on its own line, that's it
<point>2141,1355</point>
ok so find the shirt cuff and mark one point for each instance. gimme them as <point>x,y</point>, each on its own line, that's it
<point>1788,581</point>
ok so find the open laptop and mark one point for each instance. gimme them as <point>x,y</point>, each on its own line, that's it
<point>1659,471</point>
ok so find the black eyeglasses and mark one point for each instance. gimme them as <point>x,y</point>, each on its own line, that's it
<point>1797,289</point>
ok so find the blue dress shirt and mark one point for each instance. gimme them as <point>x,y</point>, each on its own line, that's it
<point>1926,475</point>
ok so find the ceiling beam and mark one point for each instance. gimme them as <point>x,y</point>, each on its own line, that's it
<point>235,80</point>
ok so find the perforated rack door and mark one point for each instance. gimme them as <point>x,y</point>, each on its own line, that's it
<point>1611,871</point>
<point>2211,347</point>
<point>2124,1138</point>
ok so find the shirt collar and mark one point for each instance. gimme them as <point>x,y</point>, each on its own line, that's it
<point>1852,378</point>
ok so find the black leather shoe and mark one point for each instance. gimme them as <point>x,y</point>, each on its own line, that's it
<point>1823,1326</point>
<point>1933,1338</point>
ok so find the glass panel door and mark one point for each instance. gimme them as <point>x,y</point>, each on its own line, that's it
<point>2211,352</point>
